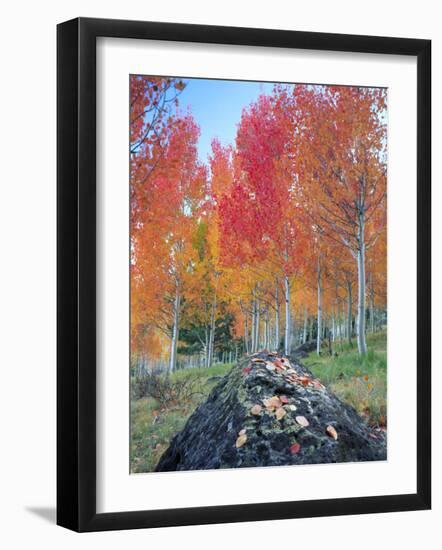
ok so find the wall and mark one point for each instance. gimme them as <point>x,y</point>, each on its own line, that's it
<point>27,299</point>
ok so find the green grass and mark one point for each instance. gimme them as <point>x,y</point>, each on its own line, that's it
<point>153,425</point>
<point>358,380</point>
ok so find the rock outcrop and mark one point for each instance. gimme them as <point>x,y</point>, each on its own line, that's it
<point>271,411</point>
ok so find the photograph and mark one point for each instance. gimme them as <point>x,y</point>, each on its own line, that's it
<point>218,233</point>
<point>258,273</point>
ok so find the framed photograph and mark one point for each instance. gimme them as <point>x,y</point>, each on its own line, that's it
<point>243,274</point>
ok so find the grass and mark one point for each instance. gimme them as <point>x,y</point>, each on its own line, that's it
<point>358,380</point>
<point>153,425</point>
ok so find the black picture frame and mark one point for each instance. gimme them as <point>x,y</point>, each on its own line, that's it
<point>76,274</point>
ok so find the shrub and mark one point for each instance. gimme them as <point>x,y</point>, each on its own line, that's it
<point>166,389</point>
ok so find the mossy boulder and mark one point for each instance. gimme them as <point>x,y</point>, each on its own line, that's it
<point>271,411</point>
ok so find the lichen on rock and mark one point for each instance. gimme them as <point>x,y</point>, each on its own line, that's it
<point>313,426</point>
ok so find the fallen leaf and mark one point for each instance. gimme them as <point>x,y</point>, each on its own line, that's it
<point>274,402</point>
<point>270,366</point>
<point>302,421</point>
<point>258,360</point>
<point>332,432</point>
<point>246,370</point>
<point>242,432</point>
<point>292,407</point>
<point>256,409</point>
<point>284,399</point>
<point>305,380</point>
<point>280,413</point>
<point>241,440</point>
<point>366,378</point>
<point>295,448</point>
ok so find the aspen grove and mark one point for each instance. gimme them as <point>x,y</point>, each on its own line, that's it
<point>273,241</point>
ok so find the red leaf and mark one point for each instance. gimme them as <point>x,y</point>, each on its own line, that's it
<point>295,448</point>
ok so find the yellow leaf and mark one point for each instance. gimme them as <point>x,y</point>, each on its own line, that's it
<point>280,413</point>
<point>274,402</point>
<point>241,440</point>
<point>302,421</point>
<point>256,409</point>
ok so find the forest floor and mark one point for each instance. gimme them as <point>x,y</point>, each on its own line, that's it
<point>360,382</point>
<point>153,425</point>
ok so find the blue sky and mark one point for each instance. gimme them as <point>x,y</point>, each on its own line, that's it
<point>217,105</point>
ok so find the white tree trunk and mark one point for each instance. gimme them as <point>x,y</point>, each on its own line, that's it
<point>266,329</point>
<point>212,330</point>
<point>253,328</point>
<point>304,333</point>
<point>362,346</point>
<point>269,330</point>
<point>175,331</point>
<point>287,335</point>
<point>206,346</point>
<point>277,337</point>
<point>246,334</point>
<point>340,327</point>
<point>318,338</point>
<point>349,314</point>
